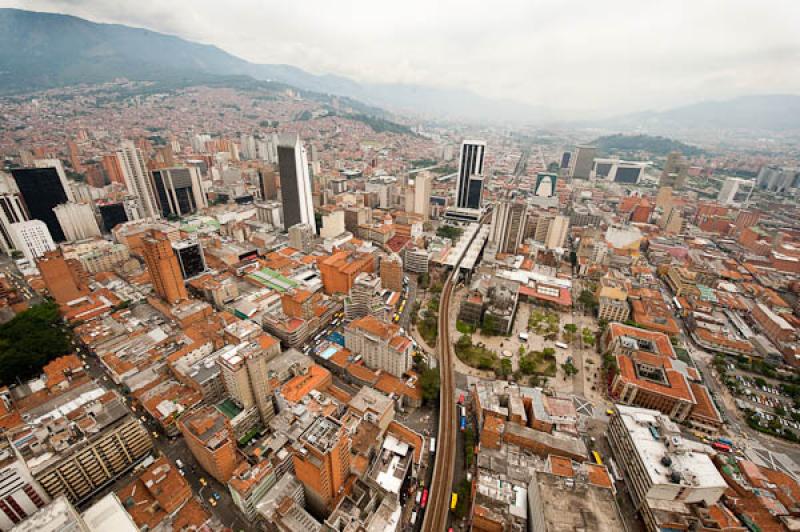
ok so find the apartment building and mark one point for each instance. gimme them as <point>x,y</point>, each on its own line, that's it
<point>381,345</point>
<point>209,436</point>
<point>322,461</point>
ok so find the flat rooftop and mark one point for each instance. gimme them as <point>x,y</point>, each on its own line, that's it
<point>570,506</point>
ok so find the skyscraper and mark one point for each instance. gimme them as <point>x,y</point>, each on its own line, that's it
<point>178,191</point>
<point>266,184</point>
<point>209,436</point>
<point>77,221</point>
<point>12,210</point>
<point>41,190</point>
<point>112,214</point>
<point>298,207</point>
<point>62,277</point>
<point>190,257</point>
<point>162,263</point>
<point>244,372</point>
<point>31,238</point>
<point>675,171</point>
<point>322,461</point>
<point>134,171</point>
<point>545,184</point>
<point>469,184</point>
<point>508,225</point>
<point>422,194</point>
<point>582,161</point>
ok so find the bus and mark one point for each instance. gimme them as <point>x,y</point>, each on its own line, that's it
<point>424,500</point>
<point>719,446</point>
<point>463,424</point>
<point>433,445</point>
<point>726,441</point>
<point>453,501</point>
<point>597,459</point>
<point>677,304</point>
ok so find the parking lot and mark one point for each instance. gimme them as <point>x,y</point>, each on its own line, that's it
<point>765,398</point>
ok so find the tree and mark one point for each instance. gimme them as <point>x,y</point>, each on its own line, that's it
<point>548,353</point>
<point>490,325</point>
<point>569,369</point>
<point>588,299</point>
<point>760,382</point>
<point>505,367</point>
<point>527,365</point>
<point>429,383</point>
<point>571,328</point>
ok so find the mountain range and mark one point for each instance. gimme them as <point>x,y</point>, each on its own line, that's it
<point>43,50</point>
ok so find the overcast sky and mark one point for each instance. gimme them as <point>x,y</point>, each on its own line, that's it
<point>608,57</point>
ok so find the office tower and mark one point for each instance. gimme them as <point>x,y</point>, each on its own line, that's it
<point>62,277</point>
<point>365,298</point>
<point>12,210</point>
<point>31,238</point>
<point>618,171</point>
<point>248,147</point>
<point>735,191</point>
<point>469,181</point>
<point>332,224</point>
<point>664,198</point>
<point>178,191</point>
<point>77,221</point>
<point>545,185</point>
<point>41,190</point>
<point>22,495</point>
<point>508,226</point>
<point>137,179</point>
<point>672,221</point>
<point>422,194</point>
<point>296,197</point>
<point>674,172</point>
<point>162,263</point>
<point>557,232</point>
<point>322,461</point>
<point>301,237</point>
<point>266,184</point>
<point>209,436</point>
<point>582,162</point>
<point>113,169</point>
<point>244,372</point>
<point>565,158</point>
<point>112,215</point>
<point>392,272</point>
<point>190,257</point>
<point>340,270</point>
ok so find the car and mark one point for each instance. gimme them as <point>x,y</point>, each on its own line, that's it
<point>179,463</point>
<point>203,482</point>
<point>216,495</point>
<point>155,434</point>
<point>211,501</point>
<point>609,412</point>
<point>142,418</point>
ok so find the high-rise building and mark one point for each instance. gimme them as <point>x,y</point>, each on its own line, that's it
<point>735,191</point>
<point>41,190</point>
<point>77,221</point>
<point>112,215</point>
<point>674,172</point>
<point>381,345</point>
<point>422,194</point>
<point>332,224</point>
<point>12,210</point>
<point>508,225</point>
<point>179,191</point>
<point>266,184</point>
<point>137,179</point>
<point>322,461</point>
<point>664,198</point>
<point>62,277</point>
<point>190,257</point>
<point>31,238</point>
<point>340,270</point>
<point>113,169</point>
<point>469,181</point>
<point>22,495</point>
<point>392,273</point>
<point>244,372</point>
<point>298,206</point>
<point>545,184</point>
<point>582,162</point>
<point>209,436</point>
<point>557,232</point>
<point>162,263</point>
<point>301,237</point>
<point>365,298</point>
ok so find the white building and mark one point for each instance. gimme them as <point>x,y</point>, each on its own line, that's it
<point>11,210</point>
<point>422,194</point>
<point>298,206</point>
<point>508,225</point>
<point>77,221</point>
<point>332,225</point>
<point>139,184</point>
<point>618,170</point>
<point>22,494</point>
<point>735,191</point>
<point>557,232</point>
<point>662,470</point>
<point>380,344</point>
<point>32,238</point>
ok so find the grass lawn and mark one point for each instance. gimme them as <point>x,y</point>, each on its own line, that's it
<point>536,363</point>
<point>476,356</point>
<point>543,322</point>
<point>464,328</point>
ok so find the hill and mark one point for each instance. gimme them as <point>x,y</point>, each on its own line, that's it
<point>42,50</point>
<point>618,144</point>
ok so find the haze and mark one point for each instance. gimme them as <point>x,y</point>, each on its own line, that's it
<point>581,58</point>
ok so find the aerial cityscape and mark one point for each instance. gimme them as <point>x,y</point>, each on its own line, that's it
<point>236,295</point>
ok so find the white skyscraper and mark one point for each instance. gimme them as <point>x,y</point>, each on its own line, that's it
<point>77,221</point>
<point>469,182</point>
<point>32,238</point>
<point>422,194</point>
<point>298,206</point>
<point>139,184</point>
<point>12,210</point>
<point>735,191</point>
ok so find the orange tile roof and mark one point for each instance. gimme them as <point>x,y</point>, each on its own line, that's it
<point>560,466</point>
<point>598,475</point>
<point>317,378</point>
<point>704,407</point>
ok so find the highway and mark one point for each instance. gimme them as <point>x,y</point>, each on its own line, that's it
<point>438,509</point>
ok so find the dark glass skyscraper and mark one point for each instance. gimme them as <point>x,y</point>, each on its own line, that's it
<point>112,214</point>
<point>469,187</point>
<point>42,189</point>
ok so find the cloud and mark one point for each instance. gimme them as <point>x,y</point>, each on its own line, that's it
<point>599,57</point>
